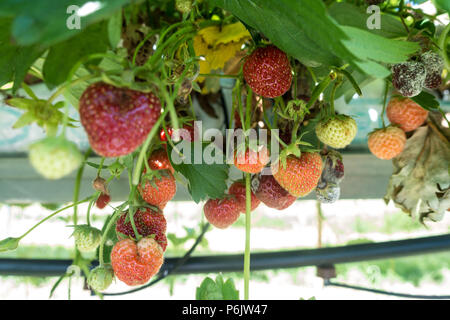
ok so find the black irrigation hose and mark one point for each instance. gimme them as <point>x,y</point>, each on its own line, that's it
<point>395,294</point>
<point>167,273</point>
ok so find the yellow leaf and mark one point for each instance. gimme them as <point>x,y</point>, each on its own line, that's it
<point>216,35</point>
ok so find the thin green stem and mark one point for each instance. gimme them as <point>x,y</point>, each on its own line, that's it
<point>67,85</point>
<point>248,108</point>
<point>248,207</point>
<point>52,215</point>
<point>386,90</point>
<point>142,154</point>
<point>76,190</point>
<point>105,234</point>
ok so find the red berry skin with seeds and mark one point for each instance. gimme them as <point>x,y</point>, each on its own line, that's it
<point>117,120</point>
<point>159,160</point>
<point>301,175</point>
<point>136,263</point>
<point>221,213</point>
<point>103,200</point>
<point>159,191</point>
<point>268,72</point>
<point>252,161</point>
<point>238,190</point>
<point>269,192</point>
<point>148,222</point>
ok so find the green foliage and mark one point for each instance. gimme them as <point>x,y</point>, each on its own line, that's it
<point>217,290</point>
<point>426,101</point>
<point>347,14</point>
<point>14,60</point>
<point>9,244</point>
<point>304,30</point>
<point>204,180</point>
<point>63,56</point>
<point>45,24</point>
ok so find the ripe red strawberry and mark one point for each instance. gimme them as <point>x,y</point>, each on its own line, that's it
<point>300,175</point>
<point>102,200</point>
<point>159,160</point>
<point>117,120</point>
<point>251,161</point>
<point>269,191</point>
<point>191,135</point>
<point>136,263</point>
<point>221,213</point>
<point>158,190</point>
<point>406,113</point>
<point>148,222</point>
<point>238,190</point>
<point>268,72</point>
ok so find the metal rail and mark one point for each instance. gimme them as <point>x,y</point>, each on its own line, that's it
<point>259,261</point>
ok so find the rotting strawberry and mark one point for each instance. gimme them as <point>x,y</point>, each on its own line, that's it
<point>158,189</point>
<point>409,78</point>
<point>159,160</point>
<point>337,132</point>
<point>87,238</point>
<point>148,222</point>
<point>333,167</point>
<point>237,189</point>
<point>222,213</point>
<point>100,278</point>
<point>434,65</point>
<point>136,263</point>
<point>251,161</point>
<point>117,120</point>
<point>267,71</point>
<point>102,200</point>
<point>300,175</point>
<point>327,192</point>
<point>99,184</point>
<point>269,191</point>
<point>405,113</point>
<point>387,143</point>
<point>54,157</point>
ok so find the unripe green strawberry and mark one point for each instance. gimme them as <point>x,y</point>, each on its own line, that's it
<point>100,278</point>
<point>184,6</point>
<point>87,238</point>
<point>55,157</point>
<point>337,132</point>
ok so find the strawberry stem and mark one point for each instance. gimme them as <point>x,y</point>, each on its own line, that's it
<point>52,215</point>
<point>141,157</point>
<point>386,90</point>
<point>248,207</point>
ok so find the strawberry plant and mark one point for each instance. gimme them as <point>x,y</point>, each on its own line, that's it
<point>138,72</point>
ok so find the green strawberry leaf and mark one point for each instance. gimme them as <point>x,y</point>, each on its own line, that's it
<point>347,14</point>
<point>53,21</point>
<point>217,290</point>
<point>14,60</point>
<point>9,244</point>
<point>301,28</point>
<point>368,46</point>
<point>115,29</point>
<point>426,101</point>
<point>204,180</point>
<point>63,56</point>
